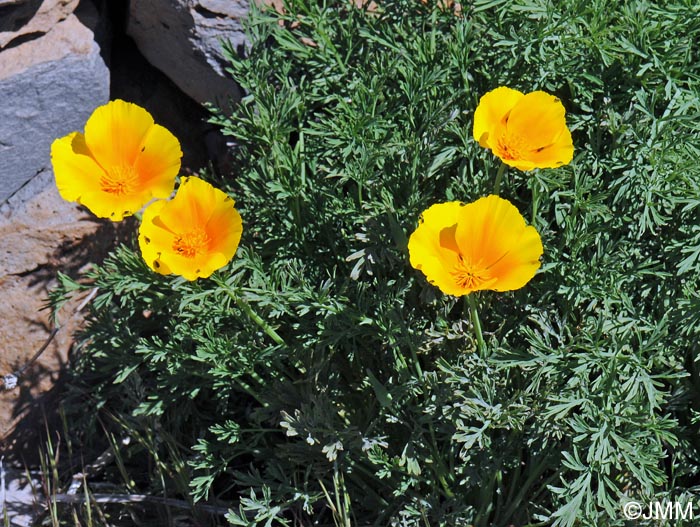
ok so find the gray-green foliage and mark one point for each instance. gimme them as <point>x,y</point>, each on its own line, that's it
<point>376,408</point>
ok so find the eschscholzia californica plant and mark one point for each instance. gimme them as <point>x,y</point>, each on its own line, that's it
<point>482,245</point>
<point>121,162</point>
<point>192,235</point>
<point>524,131</point>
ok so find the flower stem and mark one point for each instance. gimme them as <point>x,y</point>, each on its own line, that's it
<point>441,469</point>
<point>535,200</point>
<point>243,306</point>
<point>477,325</point>
<point>416,364</point>
<point>499,176</point>
<point>247,389</point>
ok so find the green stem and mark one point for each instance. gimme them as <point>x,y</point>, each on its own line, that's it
<point>247,389</point>
<point>440,463</point>
<point>539,468</point>
<point>243,306</point>
<point>416,364</point>
<point>499,176</point>
<point>535,200</point>
<point>477,325</point>
<point>486,499</point>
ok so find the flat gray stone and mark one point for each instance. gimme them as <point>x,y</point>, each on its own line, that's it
<point>49,86</point>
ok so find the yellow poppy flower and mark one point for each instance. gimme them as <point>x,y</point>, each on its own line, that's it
<point>525,131</point>
<point>192,235</point>
<point>121,162</point>
<point>483,245</point>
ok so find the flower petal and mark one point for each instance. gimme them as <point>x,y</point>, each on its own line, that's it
<point>224,228</point>
<point>99,169</point>
<point>432,248</point>
<point>158,161</point>
<point>559,153</point>
<point>538,118</point>
<point>487,229</point>
<point>493,232</point>
<point>205,267</point>
<point>483,245</point>
<point>116,132</point>
<point>154,237</point>
<point>524,131</point>
<point>520,264</point>
<point>74,168</point>
<point>491,112</point>
<point>193,203</point>
<point>106,205</point>
<point>520,164</point>
<point>192,235</point>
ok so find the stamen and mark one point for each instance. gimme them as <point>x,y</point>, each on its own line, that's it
<point>510,147</point>
<point>191,243</point>
<point>470,276</point>
<point>120,180</point>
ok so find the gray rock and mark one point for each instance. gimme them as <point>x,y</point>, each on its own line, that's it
<point>52,76</point>
<point>182,38</point>
<point>49,86</point>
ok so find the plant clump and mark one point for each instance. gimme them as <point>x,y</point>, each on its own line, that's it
<point>318,378</point>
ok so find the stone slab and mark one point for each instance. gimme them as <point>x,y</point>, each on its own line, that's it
<point>49,86</point>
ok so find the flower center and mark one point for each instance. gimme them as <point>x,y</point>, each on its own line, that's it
<point>119,180</point>
<point>510,147</point>
<point>470,276</point>
<point>191,243</point>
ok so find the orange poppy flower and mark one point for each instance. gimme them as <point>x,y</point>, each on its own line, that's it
<point>192,235</point>
<point>524,131</point>
<point>121,162</point>
<point>483,245</point>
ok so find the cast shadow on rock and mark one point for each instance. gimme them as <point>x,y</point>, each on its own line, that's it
<point>16,15</point>
<point>35,410</point>
<point>71,257</point>
<point>41,383</point>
